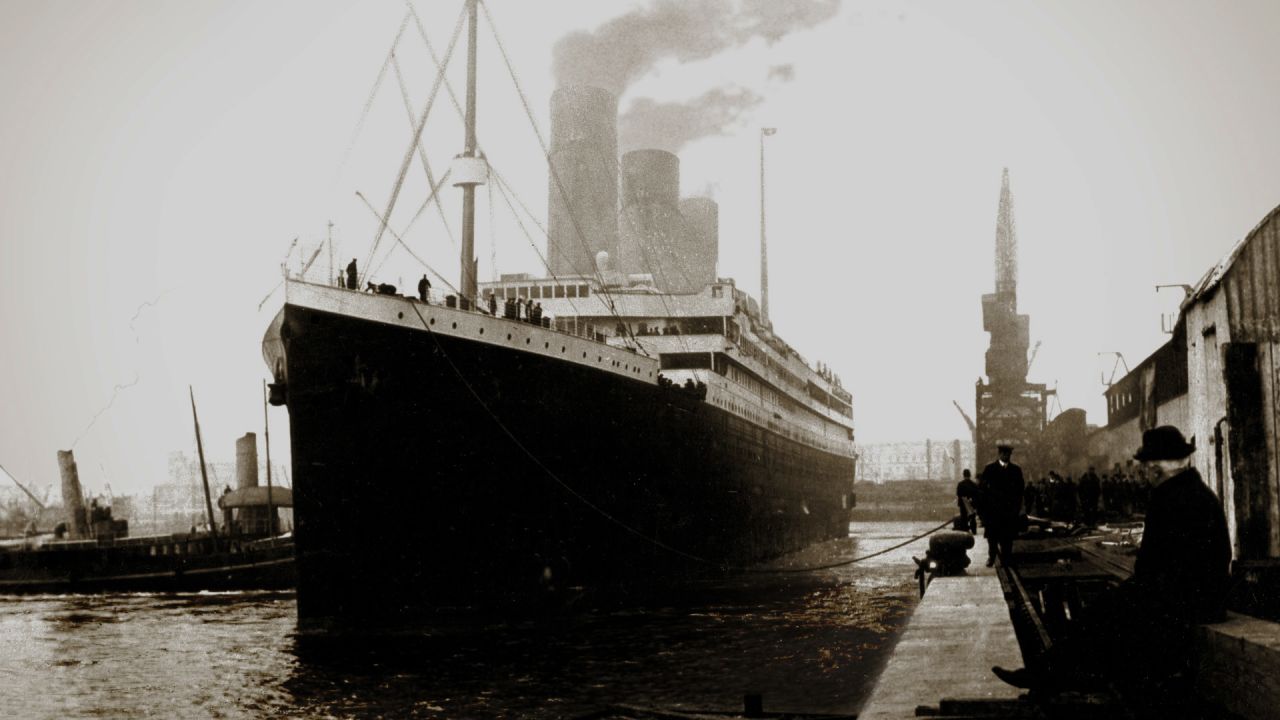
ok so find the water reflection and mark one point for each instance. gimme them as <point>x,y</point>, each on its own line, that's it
<point>807,642</point>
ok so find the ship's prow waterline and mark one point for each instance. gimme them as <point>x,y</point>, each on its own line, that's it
<point>446,457</point>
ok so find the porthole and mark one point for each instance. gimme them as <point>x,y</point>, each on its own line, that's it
<point>433,321</point>
<point>455,326</point>
<point>546,345</point>
<point>400,315</point>
<point>584,355</point>
<point>562,348</point>
<point>481,331</point>
<point>527,340</point>
<point>508,336</point>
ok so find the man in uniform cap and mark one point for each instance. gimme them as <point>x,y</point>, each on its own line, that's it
<point>1142,629</point>
<point>1000,504</point>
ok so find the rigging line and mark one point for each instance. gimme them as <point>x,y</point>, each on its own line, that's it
<point>493,240</point>
<point>425,264</point>
<point>647,252</point>
<point>613,167</point>
<point>532,244</point>
<point>422,153</point>
<point>115,391</point>
<point>827,566</point>
<point>448,86</point>
<point>368,104</point>
<point>546,150</point>
<point>577,234</point>
<point>417,135</point>
<point>550,473</point>
<point>560,186</point>
<point>435,194</point>
<point>508,189</point>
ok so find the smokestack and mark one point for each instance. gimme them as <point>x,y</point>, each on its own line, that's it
<point>652,227</point>
<point>72,498</point>
<point>701,249</point>
<point>247,461</point>
<point>582,215</point>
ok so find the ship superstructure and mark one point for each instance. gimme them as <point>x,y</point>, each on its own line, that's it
<point>625,421</point>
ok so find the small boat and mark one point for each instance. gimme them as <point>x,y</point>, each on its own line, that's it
<point>178,562</point>
<point>92,552</point>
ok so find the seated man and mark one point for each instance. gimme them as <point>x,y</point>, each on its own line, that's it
<point>1141,629</point>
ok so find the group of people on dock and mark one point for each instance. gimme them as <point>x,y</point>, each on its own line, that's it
<point>1142,627</point>
<point>1122,493</point>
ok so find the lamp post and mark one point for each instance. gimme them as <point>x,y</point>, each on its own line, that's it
<point>764,248</point>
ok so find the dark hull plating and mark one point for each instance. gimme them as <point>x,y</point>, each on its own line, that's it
<point>177,563</point>
<point>432,471</point>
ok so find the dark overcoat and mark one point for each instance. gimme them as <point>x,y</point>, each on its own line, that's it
<point>1000,505</point>
<point>1184,562</point>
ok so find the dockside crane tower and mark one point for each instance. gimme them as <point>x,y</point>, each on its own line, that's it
<point>1008,409</point>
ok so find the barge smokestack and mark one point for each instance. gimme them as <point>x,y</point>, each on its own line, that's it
<point>652,227</point>
<point>582,216</point>
<point>72,497</point>
<point>247,461</point>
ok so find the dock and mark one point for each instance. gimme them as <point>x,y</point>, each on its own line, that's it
<point>960,629</point>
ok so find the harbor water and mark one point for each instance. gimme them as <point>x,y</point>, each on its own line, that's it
<point>809,641</point>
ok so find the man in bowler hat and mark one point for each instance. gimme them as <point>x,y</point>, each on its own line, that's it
<point>1141,630</point>
<point>1000,489</point>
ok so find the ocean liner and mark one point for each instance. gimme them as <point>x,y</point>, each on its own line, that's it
<point>625,419</point>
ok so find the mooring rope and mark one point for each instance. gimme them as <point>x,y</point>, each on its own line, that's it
<point>842,563</point>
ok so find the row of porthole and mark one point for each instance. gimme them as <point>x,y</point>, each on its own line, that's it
<point>546,346</point>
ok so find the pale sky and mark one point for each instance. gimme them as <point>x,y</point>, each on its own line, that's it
<point>157,159</point>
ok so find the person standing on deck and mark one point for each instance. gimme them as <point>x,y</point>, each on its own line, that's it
<point>1090,492</point>
<point>424,288</point>
<point>967,499</point>
<point>1001,487</point>
<point>351,274</point>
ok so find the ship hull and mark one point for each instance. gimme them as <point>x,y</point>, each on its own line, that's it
<point>435,471</point>
<point>178,563</point>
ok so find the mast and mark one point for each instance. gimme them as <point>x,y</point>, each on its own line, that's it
<point>468,289</point>
<point>764,248</point>
<point>204,473</point>
<point>266,441</point>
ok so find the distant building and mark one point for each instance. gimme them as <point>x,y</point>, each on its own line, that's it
<point>179,504</point>
<point>938,460</point>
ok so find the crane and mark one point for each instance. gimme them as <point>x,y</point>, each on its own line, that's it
<point>1032,359</point>
<point>24,489</point>
<point>973,429</point>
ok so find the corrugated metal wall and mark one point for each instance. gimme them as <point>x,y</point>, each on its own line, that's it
<point>1252,286</point>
